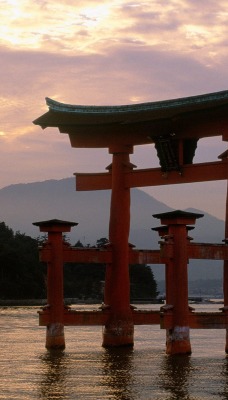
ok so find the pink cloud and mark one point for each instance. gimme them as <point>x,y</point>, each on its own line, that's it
<point>140,52</point>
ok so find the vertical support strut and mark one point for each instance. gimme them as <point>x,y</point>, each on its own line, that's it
<point>225,271</point>
<point>169,267</point>
<point>55,295</point>
<point>119,330</point>
<point>178,337</point>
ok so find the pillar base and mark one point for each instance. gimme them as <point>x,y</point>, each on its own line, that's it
<point>178,340</point>
<point>118,332</point>
<point>55,336</point>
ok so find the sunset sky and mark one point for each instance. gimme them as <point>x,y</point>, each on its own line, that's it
<point>105,53</point>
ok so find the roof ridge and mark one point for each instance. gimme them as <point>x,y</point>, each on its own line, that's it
<point>139,107</point>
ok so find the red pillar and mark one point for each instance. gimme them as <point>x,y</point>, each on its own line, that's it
<point>178,338</point>
<point>225,272</point>
<point>169,270</point>
<point>119,330</point>
<point>55,297</point>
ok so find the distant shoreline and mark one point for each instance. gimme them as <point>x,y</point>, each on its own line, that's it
<point>67,301</point>
<point>72,301</point>
<point>22,302</point>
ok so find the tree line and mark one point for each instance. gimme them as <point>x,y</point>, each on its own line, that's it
<point>22,276</point>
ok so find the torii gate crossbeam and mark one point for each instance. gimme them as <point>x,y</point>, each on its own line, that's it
<point>201,172</point>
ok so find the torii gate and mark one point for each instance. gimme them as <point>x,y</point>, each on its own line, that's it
<point>174,126</point>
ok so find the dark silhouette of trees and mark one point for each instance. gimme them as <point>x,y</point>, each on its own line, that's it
<point>22,276</point>
<point>143,284</point>
<point>86,280</point>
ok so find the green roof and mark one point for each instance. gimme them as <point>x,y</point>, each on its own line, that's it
<point>135,124</point>
<point>154,110</point>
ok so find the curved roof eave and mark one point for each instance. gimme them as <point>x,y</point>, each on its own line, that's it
<point>67,114</point>
<point>192,101</point>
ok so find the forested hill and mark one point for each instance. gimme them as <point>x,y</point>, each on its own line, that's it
<point>22,276</point>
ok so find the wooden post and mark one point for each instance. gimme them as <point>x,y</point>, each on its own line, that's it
<point>169,271</point>
<point>55,297</point>
<point>225,271</point>
<point>178,338</point>
<point>119,330</point>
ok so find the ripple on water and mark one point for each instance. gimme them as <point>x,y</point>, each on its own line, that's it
<point>85,370</point>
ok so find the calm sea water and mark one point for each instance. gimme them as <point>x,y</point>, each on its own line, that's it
<point>84,370</point>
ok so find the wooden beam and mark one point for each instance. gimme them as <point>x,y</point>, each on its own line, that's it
<point>74,317</point>
<point>198,320</point>
<point>76,255</point>
<point>99,317</point>
<point>208,251</point>
<point>94,181</point>
<point>205,251</point>
<point>104,256</point>
<point>147,257</point>
<point>202,172</point>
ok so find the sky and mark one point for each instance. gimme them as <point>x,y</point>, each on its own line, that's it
<point>106,53</point>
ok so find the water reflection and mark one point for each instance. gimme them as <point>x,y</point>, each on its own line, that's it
<point>174,376</point>
<point>224,373</point>
<point>117,372</point>
<point>53,384</point>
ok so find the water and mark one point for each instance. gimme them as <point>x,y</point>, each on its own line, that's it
<point>84,370</point>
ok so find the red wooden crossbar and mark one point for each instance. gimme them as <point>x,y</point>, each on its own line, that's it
<point>197,320</point>
<point>208,251</point>
<point>104,256</point>
<point>76,255</point>
<point>99,317</point>
<point>205,251</point>
<point>201,172</point>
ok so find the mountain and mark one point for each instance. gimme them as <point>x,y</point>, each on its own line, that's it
<point>23,204</point>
